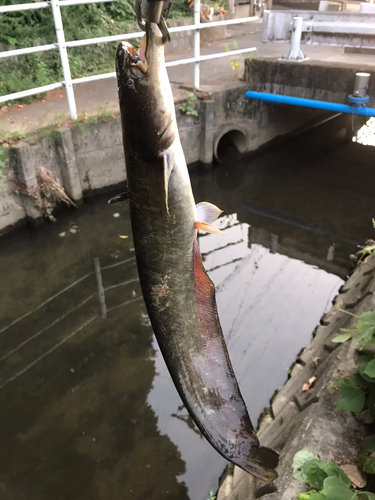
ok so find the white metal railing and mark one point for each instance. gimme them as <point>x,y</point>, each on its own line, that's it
<point>63,45</point>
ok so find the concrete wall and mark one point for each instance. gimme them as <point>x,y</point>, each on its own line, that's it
<point>310,79</point>
<point>89,157</point>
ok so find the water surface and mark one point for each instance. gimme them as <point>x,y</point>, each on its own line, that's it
<point>88,410</point>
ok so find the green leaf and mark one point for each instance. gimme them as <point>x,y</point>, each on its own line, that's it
<point>367,318</point>
<point>367,445</point>
<point>301,459</point>
<point>311,495</point>
<point>365,335</point>
<point>352,399</point>
<point>362,361</point>
<point>370,369</point>
<point>318,470</point>
<point>315,474</point>
<point>366,455</point>
<point>364,495</point>
<point>335,489</point>
<point>371,402</point>
<point>343,382</point>
<point>343,337</point>
<point>369,464</point>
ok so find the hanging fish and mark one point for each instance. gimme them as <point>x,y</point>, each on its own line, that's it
<point>179,296</point>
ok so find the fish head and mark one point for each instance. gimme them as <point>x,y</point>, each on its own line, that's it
<point>146,100</point>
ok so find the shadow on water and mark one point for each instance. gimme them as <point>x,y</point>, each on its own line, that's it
<point>88,410</point>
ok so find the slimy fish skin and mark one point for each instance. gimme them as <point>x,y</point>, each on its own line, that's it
<point>179,296</point>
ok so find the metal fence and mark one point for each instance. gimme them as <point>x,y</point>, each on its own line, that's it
<point>62,45</point>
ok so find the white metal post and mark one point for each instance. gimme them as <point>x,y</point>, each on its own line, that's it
<point>64,58</point>
<point>197,41</point>
<point>295,53</point>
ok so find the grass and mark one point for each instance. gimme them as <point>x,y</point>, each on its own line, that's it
<point>51,130</point>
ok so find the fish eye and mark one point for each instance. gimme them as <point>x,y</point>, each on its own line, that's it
<point>130,83</point>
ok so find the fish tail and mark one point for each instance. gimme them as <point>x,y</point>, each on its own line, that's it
<point>261,463</point>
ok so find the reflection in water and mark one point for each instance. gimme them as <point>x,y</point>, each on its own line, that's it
<point>366,134</point>
<point>75,422</point>
<point>88,408</point>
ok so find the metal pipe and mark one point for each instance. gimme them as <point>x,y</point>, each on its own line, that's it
<point>311,103</point>
<point>29,50</point>
<point>210,56</point>
<point>26,93</point>
<point>361,84</point>
<point>24,6</point>
<point>197,42</point>
<point>64,58</point>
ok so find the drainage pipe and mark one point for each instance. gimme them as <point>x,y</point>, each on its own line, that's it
<point>353,109</point>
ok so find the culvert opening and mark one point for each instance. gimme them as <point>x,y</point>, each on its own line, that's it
<point>231,146</point>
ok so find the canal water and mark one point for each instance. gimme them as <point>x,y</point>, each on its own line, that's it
<point>88,410</point>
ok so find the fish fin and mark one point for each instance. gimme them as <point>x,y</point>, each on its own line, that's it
<point>261,462</point>
<point>209,228</point>
<point>167,173</point>
<point>207,212</point>
<point>119,197</point>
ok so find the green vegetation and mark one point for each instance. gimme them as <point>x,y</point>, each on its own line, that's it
<point>236,60</point>
<point>187,108</point>
<point>327,480</point>
<point>358,390</point>
<point>36,27</point>
<point>212,496</point>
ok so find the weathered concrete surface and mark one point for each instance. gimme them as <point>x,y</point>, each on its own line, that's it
<point>309,419</point>
<point>313,80</point>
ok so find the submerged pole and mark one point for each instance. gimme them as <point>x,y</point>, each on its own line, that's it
<point>353,109</point>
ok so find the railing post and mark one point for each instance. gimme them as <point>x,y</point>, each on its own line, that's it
<point>197,41</point>
<point>64,58</point>
<point>295,54</point>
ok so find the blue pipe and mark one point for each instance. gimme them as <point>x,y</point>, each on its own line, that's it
<point>311,103</point>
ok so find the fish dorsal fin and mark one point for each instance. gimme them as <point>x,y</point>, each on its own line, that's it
<point>206,214</point>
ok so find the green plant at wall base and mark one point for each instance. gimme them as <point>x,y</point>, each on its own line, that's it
<point>368,249</point>
<point>358,390</point>
<point>363,333</point>
<point>234,61</point>
<point>327,480</point>
<point>212,496</point>
<point>187,108</point>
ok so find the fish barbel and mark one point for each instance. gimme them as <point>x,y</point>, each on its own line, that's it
<point>179,296</point>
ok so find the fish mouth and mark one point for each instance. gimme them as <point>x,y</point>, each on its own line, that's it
<point>129,58</point>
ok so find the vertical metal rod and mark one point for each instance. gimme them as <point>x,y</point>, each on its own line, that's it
<point>295,53</point>
<point>295,39</point>
<point>197,41</point>
<point>64,58</point>
<point>98,274</point>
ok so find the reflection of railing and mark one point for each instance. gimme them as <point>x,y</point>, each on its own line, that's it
<point>104,311</point>
<point>62,46</point>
